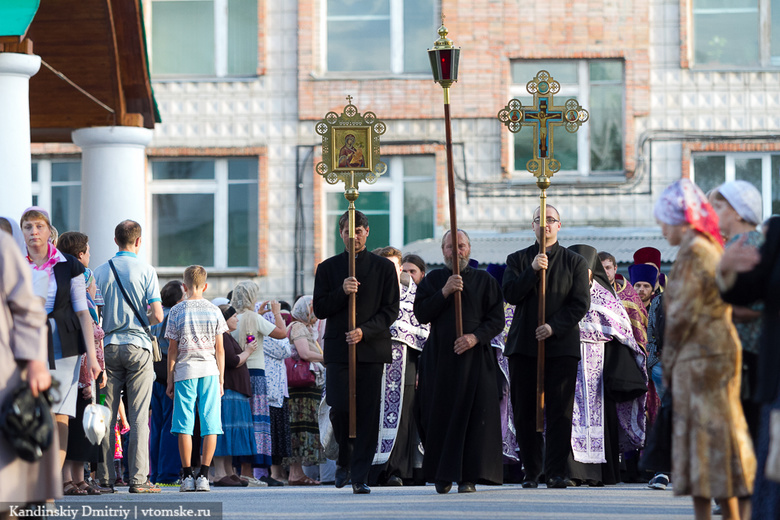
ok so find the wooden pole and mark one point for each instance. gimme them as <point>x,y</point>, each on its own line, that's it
<point>542,313</point>
<point>351,325</point>
<point>453,217</point>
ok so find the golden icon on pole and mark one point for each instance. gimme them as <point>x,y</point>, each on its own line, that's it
<point>543,116</point>
<point>350,153</point>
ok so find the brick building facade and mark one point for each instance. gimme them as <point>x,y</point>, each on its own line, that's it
<point>663,104</point>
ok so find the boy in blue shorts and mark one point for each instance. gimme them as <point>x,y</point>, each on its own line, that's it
<point>196,371</point>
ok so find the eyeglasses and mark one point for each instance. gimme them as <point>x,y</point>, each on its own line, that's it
<point>550,221</point>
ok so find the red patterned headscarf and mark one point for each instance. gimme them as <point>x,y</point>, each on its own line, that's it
<point>683,202</point>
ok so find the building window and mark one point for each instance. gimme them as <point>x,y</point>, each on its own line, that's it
<point>379,35</point>
<point>204,38</point>
<point>56,187</point>
<point>400,207</point>
<point>737,33</point>
<point>709,171</point>
<point>205,211</point>
<point>599,86</point>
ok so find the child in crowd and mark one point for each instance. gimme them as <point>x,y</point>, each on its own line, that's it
<point>196,371</point>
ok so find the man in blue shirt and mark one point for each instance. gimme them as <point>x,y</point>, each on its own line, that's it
<point>128,350</point>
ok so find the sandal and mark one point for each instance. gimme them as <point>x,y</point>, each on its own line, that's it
<point>305,481</point>
<point>83,486</point>
<point>70,489</point>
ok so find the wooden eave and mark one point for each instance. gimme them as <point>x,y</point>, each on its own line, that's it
<point>100,46</point>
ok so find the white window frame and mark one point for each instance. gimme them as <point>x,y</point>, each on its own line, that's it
<point>42,188</point>
<point>396,17</point>
<point>392,183</point>
<point>764,9</point>
<point>220,44</point>
<point>582,93</point>
<point>218,186</point>
<point>766,172</point>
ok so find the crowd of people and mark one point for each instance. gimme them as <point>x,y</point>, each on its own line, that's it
<point>245,391</point>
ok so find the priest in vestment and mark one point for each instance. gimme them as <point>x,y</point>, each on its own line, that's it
<point>600,425</point>
<point>457,405</point>
<point>398,456</point>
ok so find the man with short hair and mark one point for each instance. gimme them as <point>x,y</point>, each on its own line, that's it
<point>128,350</point>
<point>376,285</point>
<point>457,405</point>
<point>567,301</point>
<point>628,297</point>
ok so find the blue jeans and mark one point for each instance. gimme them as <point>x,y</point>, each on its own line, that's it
<point>164,450</point>
<point>657,377</point>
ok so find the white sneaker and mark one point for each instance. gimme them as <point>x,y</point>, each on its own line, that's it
<point>659,481</point>
<point>202,484</point>
<point>187,484</point>
<point>253,482</point>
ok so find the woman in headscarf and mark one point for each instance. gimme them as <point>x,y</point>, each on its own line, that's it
<point>305,401</point>
<point>70,323</point>
<point>252,326</point>
<point>607,416</point>
<point>738,205</point>
<point>23,356</point>
<point>712,455</point>
<point>237,440</point>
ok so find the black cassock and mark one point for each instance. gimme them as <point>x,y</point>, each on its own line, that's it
<point>457,403</point>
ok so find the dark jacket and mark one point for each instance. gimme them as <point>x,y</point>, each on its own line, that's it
<point>68,324</point>
<point>377,306</point>
<point>763,284</point>
<point>567,301</point>
<point>236,377</point>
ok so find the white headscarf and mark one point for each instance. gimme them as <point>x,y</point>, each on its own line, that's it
<point>18,235</point>
<point>744,198</point>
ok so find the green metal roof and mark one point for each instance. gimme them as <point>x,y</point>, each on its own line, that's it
<point>16,16</point>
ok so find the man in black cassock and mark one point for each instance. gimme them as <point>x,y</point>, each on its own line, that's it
<point>376,285</point>
<point>567,301</point>
<point>457,404</point>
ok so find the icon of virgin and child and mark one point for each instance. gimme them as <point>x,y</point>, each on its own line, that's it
<point>351,154</point>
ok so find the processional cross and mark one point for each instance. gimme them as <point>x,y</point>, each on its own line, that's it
<point>543,116</point>
<point>350,154</point>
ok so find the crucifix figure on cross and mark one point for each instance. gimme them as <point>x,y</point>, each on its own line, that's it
<point>543,116</point>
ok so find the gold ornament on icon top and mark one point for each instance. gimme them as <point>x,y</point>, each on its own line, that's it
<point>350,147</point>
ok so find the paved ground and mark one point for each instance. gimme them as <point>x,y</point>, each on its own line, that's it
<point>625,501</point>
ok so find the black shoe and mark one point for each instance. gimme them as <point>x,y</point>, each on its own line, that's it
<point>557,483</point>
<point>271,481</point>
<point>106,489</point>
<point>361,489</point>
<point>594,483</point>
<point>394,481</point>
<point>443,488</point>
<point>530,484</point>
<point>342,477</point>
<point>466,487</point>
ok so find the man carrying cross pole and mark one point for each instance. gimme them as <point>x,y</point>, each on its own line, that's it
<point>567,301</point>
<point>376,287</point>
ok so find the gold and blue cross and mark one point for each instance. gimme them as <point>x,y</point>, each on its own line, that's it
<point>543,116</point>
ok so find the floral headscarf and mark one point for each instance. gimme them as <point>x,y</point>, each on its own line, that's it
<point>303,310</point>
<point>683,202</point>
<point>245,295</point>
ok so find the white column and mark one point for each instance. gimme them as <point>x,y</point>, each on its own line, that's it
<point>113,185</point>
<point>15,161</point>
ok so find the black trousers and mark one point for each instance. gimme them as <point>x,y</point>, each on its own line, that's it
<point>560,379</point>
<point>358,453</point>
